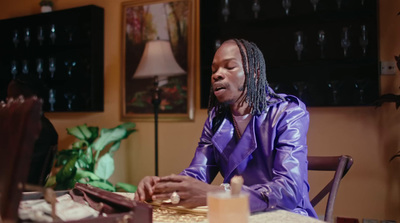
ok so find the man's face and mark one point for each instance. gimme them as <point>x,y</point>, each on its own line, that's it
<point>228,76</point>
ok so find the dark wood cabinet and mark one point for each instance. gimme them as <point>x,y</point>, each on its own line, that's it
<point>324,77</point>
<point>64,49</point>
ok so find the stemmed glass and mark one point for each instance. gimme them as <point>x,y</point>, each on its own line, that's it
<point>52,66</point>
<point>335,87</point>
<point>286,4</point>
<point>40,35</point>
<point>52,98</point>
<point>364,39</point>
<point>70,31</point>
<point>321,42</point>
<point>25,68</point>
<point>255,8</point>
<point>70,97</point>
<point>298,46</point>
<point>345,42</point>
<point>360,85</point>
<point>300,87</point>
<point>16,38</point>
<point>27,37</point>
<point>70,65</point>
<point>14,70</point>
<point>39,67</point>
<point>225,10</point>
<point>314,3</point>
<point>53,33</point>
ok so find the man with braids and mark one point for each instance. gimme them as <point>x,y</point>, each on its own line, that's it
<point>251,131</point>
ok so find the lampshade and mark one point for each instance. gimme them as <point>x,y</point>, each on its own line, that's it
<point>158,61</point>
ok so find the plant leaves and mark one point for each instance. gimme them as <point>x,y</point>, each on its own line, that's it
<point>81,144</point>
<point>83,176</point>
<point>102,185</point>
<point>65,155</point>
<point>114,148</point>
<point>105,167</point>
<point>83,132</point>
<point>109,135</point>
<point>67,172</point>
<point>126,187</point>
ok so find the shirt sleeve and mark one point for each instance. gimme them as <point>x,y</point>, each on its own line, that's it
<point>289,172</point>
<point>203,166</point>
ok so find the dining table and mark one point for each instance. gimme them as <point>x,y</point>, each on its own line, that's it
<point>199,214</point>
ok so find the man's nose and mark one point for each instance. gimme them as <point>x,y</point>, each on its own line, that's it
<point>218,75</point>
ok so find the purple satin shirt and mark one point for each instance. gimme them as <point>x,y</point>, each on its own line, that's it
<point>271,157</point>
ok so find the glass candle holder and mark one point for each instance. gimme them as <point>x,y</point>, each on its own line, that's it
<point>226,208</point>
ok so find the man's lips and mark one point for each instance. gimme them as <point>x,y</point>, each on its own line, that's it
<point>218,87</point>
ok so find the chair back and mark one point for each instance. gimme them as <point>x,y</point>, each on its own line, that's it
<point>19,129</point>
<point>340,165</point>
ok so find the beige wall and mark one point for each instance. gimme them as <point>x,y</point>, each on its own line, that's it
<point>370,135</point>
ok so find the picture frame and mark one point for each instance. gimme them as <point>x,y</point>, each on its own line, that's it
<point>153,21</point>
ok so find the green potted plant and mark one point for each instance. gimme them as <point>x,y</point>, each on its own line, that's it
<point>46,5</point>
<point>90,159</point>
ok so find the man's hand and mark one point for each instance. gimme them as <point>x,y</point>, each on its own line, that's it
<point>192,192</point>
<point>145,188</point>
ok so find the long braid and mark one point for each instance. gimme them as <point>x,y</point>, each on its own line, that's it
<point>256,81</point>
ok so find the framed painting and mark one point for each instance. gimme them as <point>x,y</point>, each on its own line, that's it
<point>158,56</point>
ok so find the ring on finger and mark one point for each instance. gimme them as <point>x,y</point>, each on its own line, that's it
<point>175,198</point>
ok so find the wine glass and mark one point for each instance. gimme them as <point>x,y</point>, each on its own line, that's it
<point>286,4</point>
<point>16,38</point>
<point>27,37</point>
<point>335,86</point>
<point>256,8</point>
<point>345,42</point>
<point>39,67</point>
<point>300,87</point>
<point>360,85</point>
<point>70,30</point>
<point>298,46</point>
<point>25,67</point>
<point>364,39</point>
<point>314,3</point>
<point>321,42</point>
<point>225,10</point>
<point>14,70</point>
<point>70,65</point>
<point>40,35</point>
<point>70,97</point>
<point>52,66</point>
<point>52,98</point>
<point>53,33</point>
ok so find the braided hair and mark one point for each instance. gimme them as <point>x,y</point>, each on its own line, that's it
<point>258,91</point>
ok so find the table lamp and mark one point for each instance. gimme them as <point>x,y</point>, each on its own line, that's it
<point>157,62</point>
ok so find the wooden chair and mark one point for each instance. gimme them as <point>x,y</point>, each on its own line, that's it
<point>19,129</point>
<point>338,164</point>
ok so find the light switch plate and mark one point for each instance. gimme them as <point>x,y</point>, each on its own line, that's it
<point>388,68</point>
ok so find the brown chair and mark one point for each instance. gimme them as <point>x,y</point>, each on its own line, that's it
<point>340,165</point>
<point>19,129</point>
